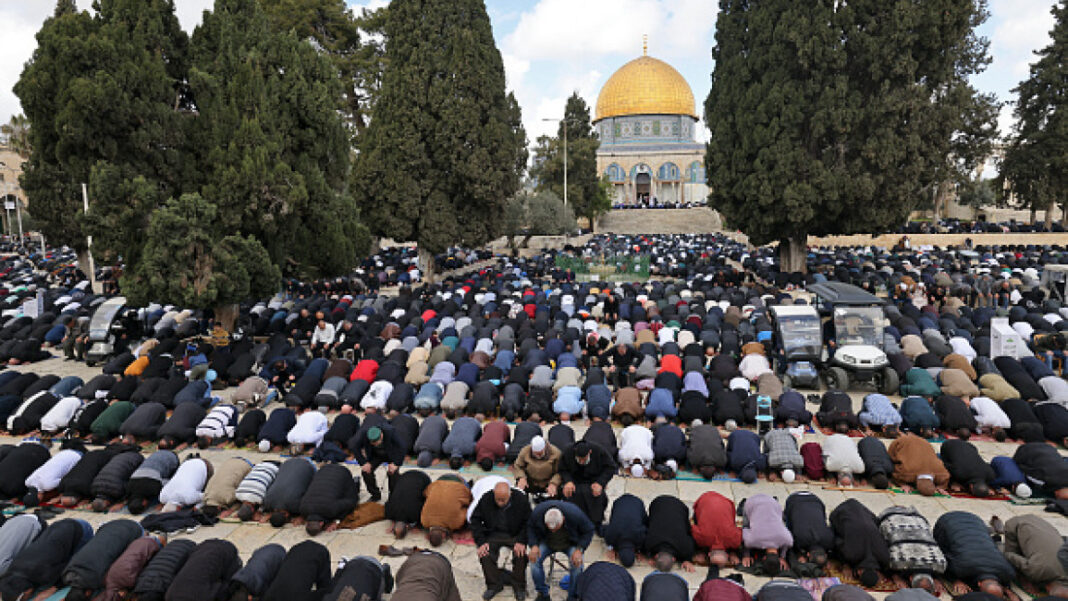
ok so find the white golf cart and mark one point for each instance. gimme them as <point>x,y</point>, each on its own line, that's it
<point>858,323</point>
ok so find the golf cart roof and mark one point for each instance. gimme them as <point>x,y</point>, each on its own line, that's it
<point>838,293</point>
<point>794,311</point>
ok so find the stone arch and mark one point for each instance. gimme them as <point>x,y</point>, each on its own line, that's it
<point>615,173</point>
<point>669,172</point>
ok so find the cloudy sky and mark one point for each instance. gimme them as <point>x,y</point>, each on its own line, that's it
<point>554,47</point>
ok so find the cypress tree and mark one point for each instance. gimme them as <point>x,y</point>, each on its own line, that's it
<point>268,145</point>
<point>1034,170</point>
<point>829,117</point>
<point>585,194</point>
<point>101,94</point>
<point>445,148</point>
<point>190,260</point>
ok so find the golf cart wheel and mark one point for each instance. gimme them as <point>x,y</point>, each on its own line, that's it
<point>838,378</point>
<point>889,382</point>
<point>787,382</point>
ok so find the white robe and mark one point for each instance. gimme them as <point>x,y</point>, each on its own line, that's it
<point>46,478</point>
<point>636,443</point>
<point>187,486</point>
<point>310,428</point>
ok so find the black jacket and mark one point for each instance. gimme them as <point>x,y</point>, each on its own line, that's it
<point>858,541</point>
<point>288,488</point>
<point>90,564</point>
<point>305,571</point>
<point>205,575</point>
<point>876,458</point>
<point>806,517</point>
<point>79,480</point>
<point>261,569</point>
<point>157,576</point>
<point>1043,466</point>
<point>332,494</point>
<point>669,528</point>
<point>405,502</point>
<point>599,469</point>
<point>510,521</point>
<point>965,465</point>
<point>970,552</point>
<point>628,522</point>
<point>17,462</point>
<point>359,577</point>
<point>42,562</point>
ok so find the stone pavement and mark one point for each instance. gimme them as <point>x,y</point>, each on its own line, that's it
<point>365,541</point>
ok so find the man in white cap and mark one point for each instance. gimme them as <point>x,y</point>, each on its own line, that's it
<point>537,468</point>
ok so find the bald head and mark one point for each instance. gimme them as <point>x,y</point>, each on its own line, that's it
<point>502,493</point>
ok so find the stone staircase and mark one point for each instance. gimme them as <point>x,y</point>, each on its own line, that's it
<point>698,220</point>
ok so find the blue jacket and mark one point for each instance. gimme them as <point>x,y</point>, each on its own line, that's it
<point>579,527</point>
<point>661,402</point>
<point>917,413</point>
<point>627,522</point>
<point>604,581</point>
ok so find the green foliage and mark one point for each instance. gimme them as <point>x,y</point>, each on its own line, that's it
<point>268,145</point>
<point>189,260</point>
<point>833,118</point>
<point>585,194</point>
<point>1035,165</point>
<point>101,90</point>
<point>537,214</point>
<point>977,193</point>
<point>16,135</point>
<point>336,32</point>
<point>445,148</point>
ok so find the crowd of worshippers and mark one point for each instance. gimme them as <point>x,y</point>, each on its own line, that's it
<point>121,560</point>
<point>762,536</point>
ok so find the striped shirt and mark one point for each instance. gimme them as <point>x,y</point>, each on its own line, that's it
<point>255,484</point>
<point>219,423</point>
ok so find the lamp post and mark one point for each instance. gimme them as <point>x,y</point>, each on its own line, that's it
<point>564,123</point>
<point>9,187</point>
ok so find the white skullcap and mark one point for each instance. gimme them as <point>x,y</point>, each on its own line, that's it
<point>554,518</point>
<point>637,470</point>
<point>1023,490</point>
<point>788,475</point>
<point>537,444</point>
<point>674,465</point>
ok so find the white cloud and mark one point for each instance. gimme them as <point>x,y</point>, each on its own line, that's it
<point>568,30</point>
<point>19,23</point>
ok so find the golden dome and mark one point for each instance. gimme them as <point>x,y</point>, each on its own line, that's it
<point>645,86</point>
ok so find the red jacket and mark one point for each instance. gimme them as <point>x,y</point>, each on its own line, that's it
<point>721,589</point>
<point>365,370</point>
<point>491,444</point>
<point>714,526</point>
<point>671,363</point>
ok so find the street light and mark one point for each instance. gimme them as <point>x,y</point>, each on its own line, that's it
<point>9,187</point>
<point>564,123</point>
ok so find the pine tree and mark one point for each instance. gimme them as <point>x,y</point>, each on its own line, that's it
<point>268,145</point>
<point>1034,171</point>
<point>585,194</point>
<point>445,148</point>
<point>829,117</point>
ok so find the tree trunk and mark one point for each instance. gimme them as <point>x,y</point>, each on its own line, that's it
<point>85,263</point>
<point>793,253</point>
<point>1049,215</point>
<point>1033,212</point>
<point>226,316</point>
<point>1064,215</point>
<point>426,263</point>
<point>526,241</point>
